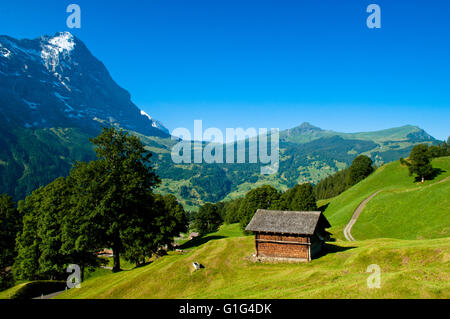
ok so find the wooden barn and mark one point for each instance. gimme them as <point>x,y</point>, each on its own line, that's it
<point>288,234</point>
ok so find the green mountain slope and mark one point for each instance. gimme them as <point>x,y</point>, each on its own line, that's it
<point>404,209</point>
<point>409,269</point>
<point>30,158</point>
<point>307,133</point>
<point>414,260</point>
<point>307,154</point>
<point>33,158</point>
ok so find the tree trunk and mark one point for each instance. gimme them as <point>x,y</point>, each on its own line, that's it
<point>82,273</point>
<point>116,258</point>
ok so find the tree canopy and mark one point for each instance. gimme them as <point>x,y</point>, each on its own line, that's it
<point>126,181</point>
<point>298,198</point>
<point>207,219</point>
<point>10,226</point>
<point>420,162</point>
<point>106,203</point>
<point>361,168</point>
<point>259,198</point>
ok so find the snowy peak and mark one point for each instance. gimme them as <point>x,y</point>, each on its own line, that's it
<point>155,123</point>
<point>55,81</point>
<point>52,48</point>
<point>146,115</point>
<point>63,41</point>
<point>4,52</point>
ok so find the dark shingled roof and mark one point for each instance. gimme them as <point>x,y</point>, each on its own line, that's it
<point>287,222</point>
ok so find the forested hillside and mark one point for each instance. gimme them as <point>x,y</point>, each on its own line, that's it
<point>30,158</point>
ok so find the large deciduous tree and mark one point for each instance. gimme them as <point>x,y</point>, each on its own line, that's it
<point>207,219</point>
<point>54,205</point>
<point>56,232</point>
<point>107,203</point>
<point>26,264</point>
<point>420,162</point>
<point>259,198</point>
<point>232,211</point>
<point>10,226</point>
<point>83,230</point>
<point>298,198</point>
<point>154,228</point>
<point>126,182</point>
<point>173,219</point>
<point>361,168</point>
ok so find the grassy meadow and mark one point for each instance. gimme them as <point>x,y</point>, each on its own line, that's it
<point>404,209</point>
<point>409,269</point>
<point>404,230</point>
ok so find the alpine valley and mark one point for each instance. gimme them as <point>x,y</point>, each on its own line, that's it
<point>55,95</point>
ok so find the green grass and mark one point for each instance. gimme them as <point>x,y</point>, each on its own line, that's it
<point>230,230</point>
<point>124,264</point>
<point>224,231</point>
<point>409,269</point>
<point>415,262</point>
<point>408,214</point>
<point>321,203</point>
<point>96,272</point>
<point>404,209</point>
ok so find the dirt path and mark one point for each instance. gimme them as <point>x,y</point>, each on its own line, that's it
<point>355,216</point>
<point>106,267</point>
<point>50,296</point>
<point>358,211</point>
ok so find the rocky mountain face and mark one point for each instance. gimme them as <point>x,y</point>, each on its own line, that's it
<point>56,82</point>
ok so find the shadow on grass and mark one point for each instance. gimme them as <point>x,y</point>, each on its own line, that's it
<point>331,249</point>
<point>132,268</point>
<point>199,241</point>
<point>435,173</point>
<point>323,207</point>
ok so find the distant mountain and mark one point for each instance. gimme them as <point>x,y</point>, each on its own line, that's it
<point>56,82</point>
<point>307,133</point>
<point>307,154</point>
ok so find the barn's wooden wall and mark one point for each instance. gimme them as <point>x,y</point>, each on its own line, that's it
<point>278,249</point>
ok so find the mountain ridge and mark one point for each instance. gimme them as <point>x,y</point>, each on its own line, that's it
<point>309,132</point>
<point>56,81</point>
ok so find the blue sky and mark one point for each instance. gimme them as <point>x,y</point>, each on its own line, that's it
<point>272,64</point>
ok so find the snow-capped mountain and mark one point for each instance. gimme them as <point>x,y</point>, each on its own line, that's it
<point>155,123</point>
<point>56,82</point>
